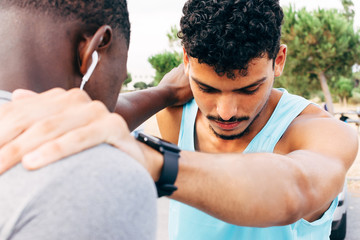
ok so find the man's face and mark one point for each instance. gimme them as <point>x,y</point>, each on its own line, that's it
<point>231,105</point>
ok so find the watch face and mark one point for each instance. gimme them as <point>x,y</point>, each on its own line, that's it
<point>156,143</point>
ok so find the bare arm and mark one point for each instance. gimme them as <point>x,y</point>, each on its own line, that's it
<point>43,128</point>
<point>136,107</point>
<point>244,189</point>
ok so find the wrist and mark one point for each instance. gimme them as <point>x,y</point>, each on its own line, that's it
<point>170,94</point>
<point>154,160</point>
<point>170,153</point>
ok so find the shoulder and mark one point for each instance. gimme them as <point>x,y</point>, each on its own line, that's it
<point>104,162</point>
<point>115,187</point>
<point>169,122</point>
<point>96,165</point>
<point>316,130</point>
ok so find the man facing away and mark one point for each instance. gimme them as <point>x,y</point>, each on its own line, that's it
<point>257,162</point>
<point>100,193</point>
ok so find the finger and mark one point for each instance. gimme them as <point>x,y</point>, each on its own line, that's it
<point>22,93</point>
<point>75,141</point>
<point>47,130</point>
<point>18,116</point>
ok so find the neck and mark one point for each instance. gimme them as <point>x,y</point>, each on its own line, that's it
<point>34,53</point>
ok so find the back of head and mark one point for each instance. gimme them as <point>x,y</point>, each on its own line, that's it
<point>228,34</point>
<point>56,41</point>
<point>90,12</point>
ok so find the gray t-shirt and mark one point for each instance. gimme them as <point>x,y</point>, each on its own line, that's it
<point>100,193</point>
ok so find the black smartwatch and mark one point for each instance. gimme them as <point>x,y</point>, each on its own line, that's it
<point>165,186</point>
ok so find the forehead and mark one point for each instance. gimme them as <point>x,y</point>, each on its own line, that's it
<point>257,69</point>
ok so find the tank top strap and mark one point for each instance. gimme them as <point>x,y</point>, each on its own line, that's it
<point>187,128</point>
<point>287,109</point>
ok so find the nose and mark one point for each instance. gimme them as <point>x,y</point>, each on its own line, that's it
<point>226,107</point>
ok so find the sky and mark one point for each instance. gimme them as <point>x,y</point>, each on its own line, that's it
<point>151,21</point>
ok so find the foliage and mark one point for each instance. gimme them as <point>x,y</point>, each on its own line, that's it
<point>355,99</point>
<point>344,87</point>
<point>140,85</point>
<point>349,9</point>
<point>298,84</point>
<point>356,75</point>
<point>322,45</point>
<point>320,41</point>
<point>173,38</point>
<point>163,63</point>
<point>166,61</point>
<point>128,79</point>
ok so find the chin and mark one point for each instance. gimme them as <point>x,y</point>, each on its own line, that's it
<point>229,136</point>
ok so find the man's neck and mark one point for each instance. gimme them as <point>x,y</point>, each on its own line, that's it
<point>30,55</point>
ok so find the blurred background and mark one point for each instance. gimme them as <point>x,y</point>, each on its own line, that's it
<point>323,39</point>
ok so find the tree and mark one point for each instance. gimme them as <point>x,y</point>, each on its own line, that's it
<point>127,80</point>
<point>344,87</point>
<point>348,6</point>
<point>140,85</point>
<point>322,44</point>
<point>173,38</point>
<point>163,63</point>
<point>166,61</point>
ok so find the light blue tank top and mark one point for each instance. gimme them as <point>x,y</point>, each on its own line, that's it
<point>188,223</point>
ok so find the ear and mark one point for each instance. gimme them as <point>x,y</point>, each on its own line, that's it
<point>100,40</point>
<point>280,60</point>
<point>186,62</point>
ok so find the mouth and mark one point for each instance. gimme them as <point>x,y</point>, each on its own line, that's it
<point>227,126</point>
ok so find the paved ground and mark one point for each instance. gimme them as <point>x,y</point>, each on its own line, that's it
<point>353,220</point>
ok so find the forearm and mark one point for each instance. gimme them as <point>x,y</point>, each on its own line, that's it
<point>136,107</point>
<point>252,189</point>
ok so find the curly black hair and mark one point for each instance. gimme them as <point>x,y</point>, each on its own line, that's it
<point>96,12</point>
<point>228,34</point>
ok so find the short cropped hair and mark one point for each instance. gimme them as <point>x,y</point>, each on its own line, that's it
<point>228,34</point>
<point>95,12</point>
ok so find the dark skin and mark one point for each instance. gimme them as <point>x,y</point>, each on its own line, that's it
<point>300,157</point>
<point>308,170</point>
<point>46,52</point>
<point>59,55</point>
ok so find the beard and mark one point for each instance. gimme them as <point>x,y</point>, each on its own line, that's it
<point>231,120</point>
<point>234,136</point>
<point>234,119</point>
<point>230,137</point>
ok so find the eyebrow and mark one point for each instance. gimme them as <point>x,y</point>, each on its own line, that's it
<point>261,80</point>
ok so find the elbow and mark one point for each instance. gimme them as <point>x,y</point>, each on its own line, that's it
<point>298,201</point>
<point>293,209</point>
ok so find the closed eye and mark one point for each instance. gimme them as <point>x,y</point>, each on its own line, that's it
<point>249,90</point>
<point>207,90</point>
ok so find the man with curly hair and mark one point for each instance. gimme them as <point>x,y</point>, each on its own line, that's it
<point>100,193</point>
<point>256,162</point>
<point>284,183</point>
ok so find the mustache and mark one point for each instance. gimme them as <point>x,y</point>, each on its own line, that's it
<point>233,119</point>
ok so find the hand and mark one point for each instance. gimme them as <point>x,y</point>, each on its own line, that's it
<point>42,128</point>
<point>177,83</point>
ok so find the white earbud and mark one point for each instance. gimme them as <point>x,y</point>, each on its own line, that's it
<point>95,60</point>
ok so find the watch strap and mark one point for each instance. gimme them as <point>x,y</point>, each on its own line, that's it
<point>165,185</point>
